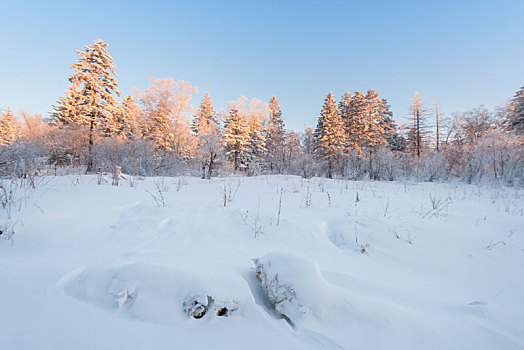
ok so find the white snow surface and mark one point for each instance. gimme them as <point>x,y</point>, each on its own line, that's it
<point>406,266</point>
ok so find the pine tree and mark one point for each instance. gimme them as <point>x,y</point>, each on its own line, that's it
<point>292,147</point>
<point>329,134</point>
<point>275,137</point>
<point>235,137</point>
<point>124,122</point>
<point>205,115</point>
<point>70,109</point>
<point>354,117</point>
<point>344,107</point>
<point>515,119</point>
<point>255,150</point>
<point>96,83</point>
<point>9,128</point>
<point>206,128</point>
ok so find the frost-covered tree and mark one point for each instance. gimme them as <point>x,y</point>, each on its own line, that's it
<point>377,118</point>
<point>417,133</point>
<point>95,79</point>
<point>292,149</point>
<point>515,118</point>
<point>206,128</point>
<point>329,134</point>
<point>255,149</point>
<point>474,124</point>
<point>353,114</point>
<point>235,137</point>
<point>124,122</point>
<point>167,106</point>
<point>70,109</point>
<point>9,128</point>
<point>275,137</point>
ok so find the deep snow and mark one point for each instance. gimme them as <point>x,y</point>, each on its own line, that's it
<point>404,266</point>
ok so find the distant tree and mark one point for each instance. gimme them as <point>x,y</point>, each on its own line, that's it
<point>235,137</point>
<point>515,118</point>
<point>329,134</point>
<point>206,128</point>
<point>437,123</point>
<point>167,104</point>
<point>124,123</point>
<point>70,109</point>
<point>255,149</point>
<point>475,123</point>
<point>417,133</point>
<point>292,148</point>
<point>9,128</point>
<point>378,122</point>
<point>34,128</point>
<point>275,137</point>
<point>353,112</point>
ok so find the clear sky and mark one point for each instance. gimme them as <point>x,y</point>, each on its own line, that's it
<point>464,52</point>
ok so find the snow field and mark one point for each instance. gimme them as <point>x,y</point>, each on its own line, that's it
<point>360,265</point>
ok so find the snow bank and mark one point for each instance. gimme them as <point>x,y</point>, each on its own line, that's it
<point>150,292</point>
<point>297,290</point>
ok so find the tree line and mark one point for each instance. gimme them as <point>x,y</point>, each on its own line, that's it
<point>158,132</point>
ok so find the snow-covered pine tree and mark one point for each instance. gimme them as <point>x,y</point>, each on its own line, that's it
<point>349,128</point>
<point>255,149</point>
<point>329,134</point>
<point>355,121</point>
<point>69,110</point>
<point>292,148</point>
<point>124,122</point>
<point>376,111</point>
<point>96,82</point>
<point>515,119</point>
<point>388,125</point>
<point>235,137</point>
<point>205,115</point>
<point>275,137</point>
<point>9,128</point>
<point>206,128</point>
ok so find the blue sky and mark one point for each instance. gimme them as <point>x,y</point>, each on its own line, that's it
<point>466,53</point>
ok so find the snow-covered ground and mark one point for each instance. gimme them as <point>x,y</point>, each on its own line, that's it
<point>162,263</point>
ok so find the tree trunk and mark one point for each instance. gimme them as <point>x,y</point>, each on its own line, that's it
<point>212,157</point>
<point>90,149</point>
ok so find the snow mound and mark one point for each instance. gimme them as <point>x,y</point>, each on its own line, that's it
<point>297,290</point>
<point>151,293</point>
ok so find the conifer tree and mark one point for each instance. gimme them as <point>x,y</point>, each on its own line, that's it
<point>515,120</point>
<point>329,134</point>
<point>124,122</point>
<point>9,128</point>
<point>275,137</point>
<point>255,149</point>
<point>96,83</point>
<point>355,120</point>
<point>206,128</point>
<point>205,115</point>
<point>69,110</point>
<point>292,147</point>
<point>235,137</point>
